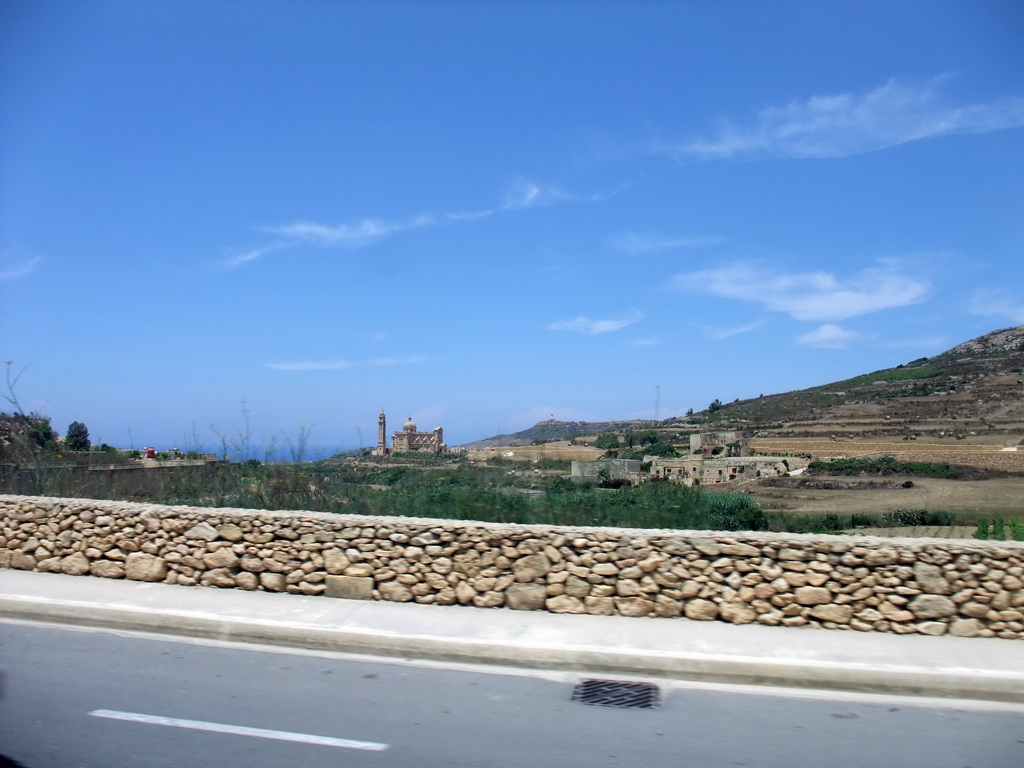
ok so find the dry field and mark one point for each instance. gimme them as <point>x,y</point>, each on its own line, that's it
<point>987,498</point>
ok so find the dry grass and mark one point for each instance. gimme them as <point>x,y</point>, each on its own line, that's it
<point>983,498</point>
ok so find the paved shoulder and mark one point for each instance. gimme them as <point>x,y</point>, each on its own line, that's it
<point>982,668</point>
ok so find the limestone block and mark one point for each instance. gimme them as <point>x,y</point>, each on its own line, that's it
<point>932,607</point>
<point>465,593</point>
<point>142,567</point>
<point>565,604</point>
<point>974,610</point>
<point>222,558</point>
<point>246,580</point>
<point>531,567</point>
<point>201,531</point>
<point>966,628</point>
<point>932,627</point>
<point>701,610</point>
<point>839,614</point>
<point>599,606</point>
<point>348,587</point>
<point>737,612</point>
<point>394,591</point>
<point>218,577</point>
<point>490,599</point>
<point>740,550</point>
<point>22,561</point>
<point>75,564</point>
<point>633,606</point>
<point>107,569</point>
<point>667,607</point>
<point>230,532</point>
<point>526,597</point>
<point>930,579</point>
<point>272,582</point>
<point>812,595</point>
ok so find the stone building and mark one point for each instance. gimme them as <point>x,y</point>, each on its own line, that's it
<point>408,439</point>
<point>700,470</point>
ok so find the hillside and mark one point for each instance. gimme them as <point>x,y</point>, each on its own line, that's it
<point>972,392</point>
<point>551,430</point>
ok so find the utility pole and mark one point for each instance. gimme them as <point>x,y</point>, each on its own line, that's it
<point>359,432</point>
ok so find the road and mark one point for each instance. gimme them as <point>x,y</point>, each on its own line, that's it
<point>77,698</point>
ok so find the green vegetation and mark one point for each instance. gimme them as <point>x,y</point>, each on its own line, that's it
<point>77,438</point>
<point>887,465</point>
<point>904,373</point>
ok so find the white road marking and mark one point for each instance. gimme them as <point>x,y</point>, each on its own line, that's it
<point>238,730</point>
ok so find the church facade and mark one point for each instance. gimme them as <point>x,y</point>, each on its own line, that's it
<point>408,439</point>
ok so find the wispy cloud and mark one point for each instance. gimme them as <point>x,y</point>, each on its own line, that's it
<point>644,342</point>
<point>18,271</point>
<point>523,194</point>
<point>338,365</point>
<point>724,333</point>
<point>633,243</point>
<point>989,303</point>
<point>808,295</point>
<point>828,337</point>
<point>592,327</point>
<point>843,124</point>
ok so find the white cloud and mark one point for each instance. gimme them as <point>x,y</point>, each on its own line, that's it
<point>337,365</point>
<point>591,327</point>
<point>808,295</point>
<point>846,124</point>
<point>644,342</point>
<point>21,270</point>
<point>724,333</point>
<point>828,337</point>
<point>989,303</point>
<point>340,235</point>
<point>523,194</point>
<point>632,243</point>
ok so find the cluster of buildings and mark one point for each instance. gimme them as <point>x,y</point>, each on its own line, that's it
<point>714,459</point>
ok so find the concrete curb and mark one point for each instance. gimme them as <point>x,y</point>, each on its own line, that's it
<point>986,669</point>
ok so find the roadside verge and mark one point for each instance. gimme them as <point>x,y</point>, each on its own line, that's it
<point>873,662</point>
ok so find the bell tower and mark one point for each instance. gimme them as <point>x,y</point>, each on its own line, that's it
<point>382,431</point>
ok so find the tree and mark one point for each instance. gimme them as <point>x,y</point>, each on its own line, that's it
<point>715,405</point>
<point>77,438</point>
<point>607,440</point>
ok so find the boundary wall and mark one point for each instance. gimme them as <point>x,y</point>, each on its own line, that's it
<point>929,586</point>
<point>983,456</point>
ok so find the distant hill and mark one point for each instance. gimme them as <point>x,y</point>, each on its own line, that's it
<point>973,391</point>
<point>551,430</point>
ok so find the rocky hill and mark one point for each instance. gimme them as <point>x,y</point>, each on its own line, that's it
<point>973,392</point>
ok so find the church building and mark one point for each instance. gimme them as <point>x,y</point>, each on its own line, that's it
<point>408,439</point>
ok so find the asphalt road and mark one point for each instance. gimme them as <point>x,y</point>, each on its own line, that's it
<point>77,698</point>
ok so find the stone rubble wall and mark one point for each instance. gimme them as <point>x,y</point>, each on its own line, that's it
<point>982,456</point>
<point>928,586</point>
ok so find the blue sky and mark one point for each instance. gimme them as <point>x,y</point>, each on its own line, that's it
<point>486,214</point>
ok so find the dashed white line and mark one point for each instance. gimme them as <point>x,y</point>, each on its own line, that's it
<point>238,730</point>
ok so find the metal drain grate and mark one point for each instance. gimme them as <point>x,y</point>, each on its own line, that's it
<point>616,693</point>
